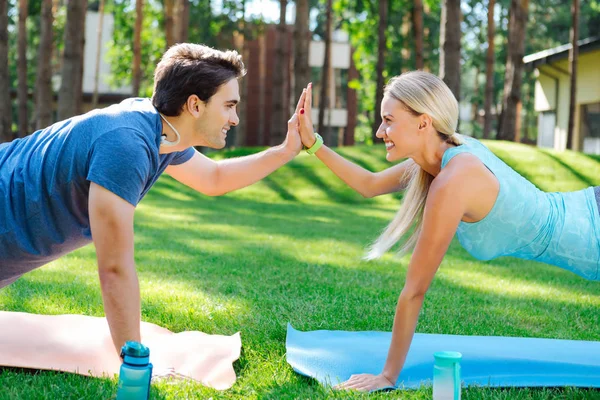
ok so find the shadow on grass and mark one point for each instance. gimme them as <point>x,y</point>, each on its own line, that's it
<point>595,157</point>
<point>280,190</point>
<point>568,167</point>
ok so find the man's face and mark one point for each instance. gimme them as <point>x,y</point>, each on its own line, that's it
<point>219,115</point>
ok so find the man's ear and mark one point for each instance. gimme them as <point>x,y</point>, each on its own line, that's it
<point>195,106</point>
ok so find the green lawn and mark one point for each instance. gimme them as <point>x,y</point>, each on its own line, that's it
<point>289,249</point>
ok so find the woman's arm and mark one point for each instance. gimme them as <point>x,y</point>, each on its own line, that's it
<point>367,183</point>
<point>445,207</point>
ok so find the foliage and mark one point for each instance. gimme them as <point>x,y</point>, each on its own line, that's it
<point>548,26</point>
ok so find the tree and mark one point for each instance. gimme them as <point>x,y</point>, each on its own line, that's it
<point>22,70</point>
<point>511,102</point>
<point>325,73</point>
<point>573,55</point>
<point>169,9</point>
<point>137,48</point>
<point>301,46</point>
<point>241,33</point>
<point>98,54</point>
<point>44,96</point>
<point>5,100</point>
<point>489,71</point>
<point>381,54</point>
<point>70,93</point>
<point>183,20</point>
<point>177,21</point>
<point>417,22</point>
<point>450,45</point>
<point>280,98</point>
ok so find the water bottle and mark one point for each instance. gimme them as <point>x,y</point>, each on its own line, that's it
<point>446,375</point>
<point>135,373</point>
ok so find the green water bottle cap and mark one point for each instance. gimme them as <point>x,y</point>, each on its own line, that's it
<point>447,357</point>
<point>135,349</point>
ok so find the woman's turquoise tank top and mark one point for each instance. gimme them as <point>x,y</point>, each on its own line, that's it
<point>561,229</point>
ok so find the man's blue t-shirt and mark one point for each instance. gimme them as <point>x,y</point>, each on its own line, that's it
<point>45,179</point>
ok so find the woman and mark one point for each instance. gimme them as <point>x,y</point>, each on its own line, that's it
<point>454,184</point>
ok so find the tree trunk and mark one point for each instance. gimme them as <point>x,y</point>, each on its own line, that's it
<point>5,100</point>
<point>184,20</point>
<point>98,54</point>
<point>240,43</point>
<point>70,93</point>
<point>301,46</point>
<point>489,72</point>
<point>417,14</point>
<point>573,56</point>
<point>137,48</point>
<point>325,72</point>
<point>22,69</point>
<point>381,54</point>
<point>44,98</point>
<point>450,45</point>
<point>474,103</point>
<point>169,9</point>
<point>514,68</point>
<point>261,95</point>
<point>280,98</point>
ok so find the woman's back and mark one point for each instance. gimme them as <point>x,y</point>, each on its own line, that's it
<point>562,229</point>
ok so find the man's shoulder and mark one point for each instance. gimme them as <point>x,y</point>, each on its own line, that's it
<point>134,114</point>
<point>131,108</point>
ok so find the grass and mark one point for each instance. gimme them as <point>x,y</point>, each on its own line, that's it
<point>289,249</point>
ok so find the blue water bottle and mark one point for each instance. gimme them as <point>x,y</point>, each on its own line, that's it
<point>135,374</point>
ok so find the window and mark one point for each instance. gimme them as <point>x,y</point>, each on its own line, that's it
<point>590,120</point>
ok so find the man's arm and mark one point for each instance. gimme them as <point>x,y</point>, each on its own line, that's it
<point>111,220</point>
<point>215,178</point>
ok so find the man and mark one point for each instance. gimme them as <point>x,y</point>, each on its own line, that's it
<point>80,179</point>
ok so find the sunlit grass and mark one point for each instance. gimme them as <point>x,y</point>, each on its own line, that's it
<point>290,249</point>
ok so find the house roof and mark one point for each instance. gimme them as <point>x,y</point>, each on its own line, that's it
<point>560,52</point>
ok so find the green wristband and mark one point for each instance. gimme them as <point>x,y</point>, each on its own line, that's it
<point>316,146</point>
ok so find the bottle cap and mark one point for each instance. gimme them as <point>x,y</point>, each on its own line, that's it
<point>134,349</point>
<point>447,357</point>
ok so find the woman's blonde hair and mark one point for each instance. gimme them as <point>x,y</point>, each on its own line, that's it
<point>420,93</point>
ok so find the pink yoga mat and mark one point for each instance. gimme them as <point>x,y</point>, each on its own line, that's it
<point>82,345</point>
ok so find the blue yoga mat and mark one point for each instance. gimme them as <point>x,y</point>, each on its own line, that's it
<point>332,356</point>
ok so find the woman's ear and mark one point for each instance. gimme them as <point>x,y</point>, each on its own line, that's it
<point>425,122</point>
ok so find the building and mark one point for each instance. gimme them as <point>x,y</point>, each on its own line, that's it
<point>260,63</point>
<point>552,93</point>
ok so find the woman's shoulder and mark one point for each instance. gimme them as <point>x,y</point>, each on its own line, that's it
<point>464,170</point>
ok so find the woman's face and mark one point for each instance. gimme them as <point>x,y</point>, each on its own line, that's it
<point>398,129</point>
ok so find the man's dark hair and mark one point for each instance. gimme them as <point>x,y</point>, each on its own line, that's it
<point>187,69</point>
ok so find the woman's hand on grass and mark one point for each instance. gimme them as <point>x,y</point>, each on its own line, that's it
<point>365,383</point>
